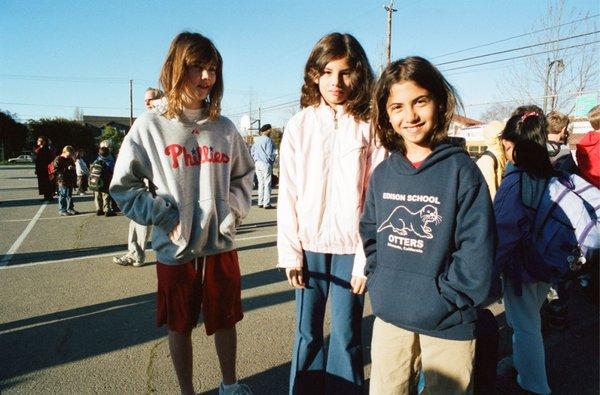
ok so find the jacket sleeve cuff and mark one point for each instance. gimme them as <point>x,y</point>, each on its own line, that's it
<point>290,262</point>
<point>358,269</point>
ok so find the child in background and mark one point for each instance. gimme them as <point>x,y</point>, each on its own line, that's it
<point>82,172</point>
<point>64,173</point>
<point>492,162</point>
<point>325,159</point>
<point>102,198</point>
<point>588,161</point>
<point>202,171</point>
<point>428,234</point>
<point>588,150</point>
<point>558,143</point>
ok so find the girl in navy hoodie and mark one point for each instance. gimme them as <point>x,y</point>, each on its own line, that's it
<point>428,234</point>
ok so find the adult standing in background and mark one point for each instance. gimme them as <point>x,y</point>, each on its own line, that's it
<point>43,157</point>
<point>152,97</point>
<point>138,234</point>
<point>263,153</point>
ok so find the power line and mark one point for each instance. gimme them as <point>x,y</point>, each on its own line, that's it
<point>533,98</point>
<point>69,106</point>
<point>47,78</point>
<point>519,57</point>
<point>513,37</point>
<point>295,102</point>
<point>237,108</point>
<point>519,48</point>
<point>270,108</point>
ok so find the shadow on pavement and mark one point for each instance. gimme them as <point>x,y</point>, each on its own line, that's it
<point>276,380</point>
<point>246,228</point>
<point>258,225</point>
<point>271,381</point>
<point>262,278</point>
<point>24,202</point>
<point>40,256</point>
<point>48,340</point>
<point>249,228</point>
<point>257,246</point>
<point>19,189</point>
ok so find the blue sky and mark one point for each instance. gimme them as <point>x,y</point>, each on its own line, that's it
<point>61,54</point>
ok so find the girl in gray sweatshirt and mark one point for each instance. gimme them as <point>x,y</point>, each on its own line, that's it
<point>200,173</point>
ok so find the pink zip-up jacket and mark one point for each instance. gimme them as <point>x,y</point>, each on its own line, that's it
<point>325,159</point>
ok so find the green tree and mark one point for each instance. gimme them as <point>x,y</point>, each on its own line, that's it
<point>14,136</point>
<point>111,133</point>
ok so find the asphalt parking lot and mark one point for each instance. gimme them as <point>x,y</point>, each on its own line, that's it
<point>71,321</point>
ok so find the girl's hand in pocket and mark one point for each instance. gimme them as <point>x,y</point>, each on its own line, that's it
<point>175,234</point>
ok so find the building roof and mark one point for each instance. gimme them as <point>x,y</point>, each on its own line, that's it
<point>100,120</point>
<point>465,121</point>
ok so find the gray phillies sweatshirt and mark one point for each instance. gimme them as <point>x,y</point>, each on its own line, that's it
<point>203,175</point>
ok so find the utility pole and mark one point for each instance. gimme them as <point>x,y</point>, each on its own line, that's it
<point>259,118</point>
<point>130,103</point>
<point>390,9</point>
<point>559,67</point>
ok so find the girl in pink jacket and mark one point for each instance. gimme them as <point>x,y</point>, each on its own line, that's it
<point>326,156</point>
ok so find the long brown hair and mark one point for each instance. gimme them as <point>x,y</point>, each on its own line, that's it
<point>336,46</point>
<point>187,50</point>
<point>421,72</point>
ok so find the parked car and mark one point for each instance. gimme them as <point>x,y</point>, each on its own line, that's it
<point>21,159</point>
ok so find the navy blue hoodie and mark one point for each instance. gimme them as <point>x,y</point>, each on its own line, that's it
<point>429,237</point>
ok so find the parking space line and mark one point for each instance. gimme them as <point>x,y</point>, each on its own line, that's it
<point>45,218</point>
<point>6,258</point>
<point>114,253</point>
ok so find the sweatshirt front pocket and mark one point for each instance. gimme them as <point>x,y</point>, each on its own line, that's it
<point>411,300</point>
<point>217,224</point>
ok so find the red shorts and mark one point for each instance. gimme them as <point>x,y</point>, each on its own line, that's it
<point>211,284</point>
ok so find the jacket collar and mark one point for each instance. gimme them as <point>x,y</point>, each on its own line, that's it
<point>324,109</point>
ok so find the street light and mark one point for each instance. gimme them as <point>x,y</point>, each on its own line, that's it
<point>560,66</point>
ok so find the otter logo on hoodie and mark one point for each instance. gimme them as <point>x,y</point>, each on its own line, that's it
<point>405,223</point>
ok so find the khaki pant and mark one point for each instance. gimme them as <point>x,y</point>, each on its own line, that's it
<point>399,355</point>
<point>102,201</point>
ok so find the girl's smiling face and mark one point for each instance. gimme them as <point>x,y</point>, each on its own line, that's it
<point>412,113</point>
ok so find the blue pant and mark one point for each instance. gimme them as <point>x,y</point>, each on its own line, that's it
<point>65,199</point>
<point>341,370</point>
<point>523,316</point>
<point>264,172</point>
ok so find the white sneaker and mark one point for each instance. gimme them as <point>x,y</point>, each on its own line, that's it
<point>238,389</point>
<point>124,260</point>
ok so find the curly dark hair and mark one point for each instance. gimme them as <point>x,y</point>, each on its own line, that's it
<point>426,75</point>
<point>336,46</point>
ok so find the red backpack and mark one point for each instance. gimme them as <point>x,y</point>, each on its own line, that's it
<point>51,176</point>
